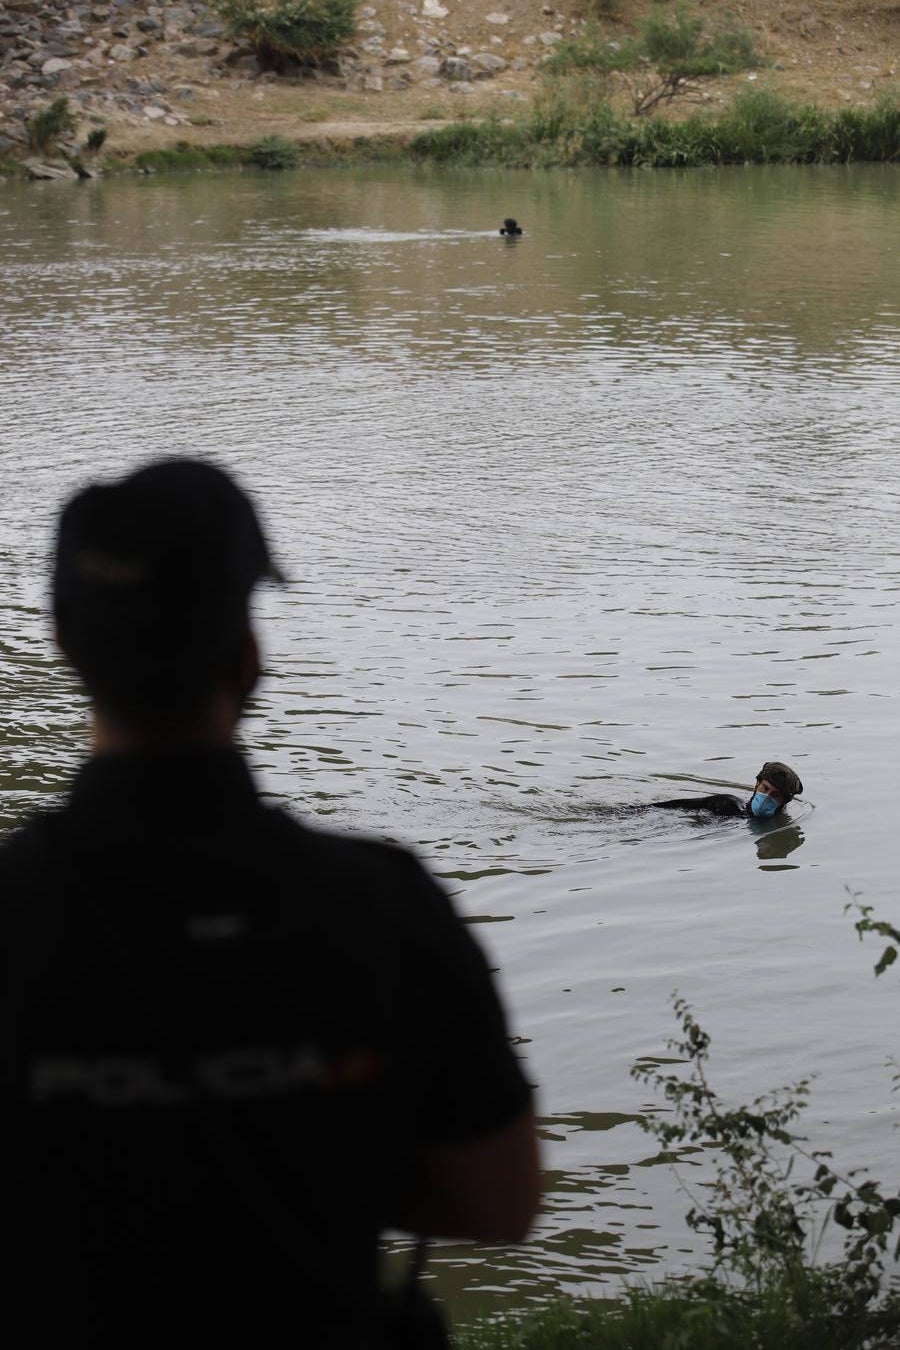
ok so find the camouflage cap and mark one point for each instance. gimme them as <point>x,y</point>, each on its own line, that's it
<point>782,777</point>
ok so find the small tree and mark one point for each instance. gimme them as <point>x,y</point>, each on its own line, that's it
<point>50,125</point>
<point>302,30</point>
<point>671,52</point>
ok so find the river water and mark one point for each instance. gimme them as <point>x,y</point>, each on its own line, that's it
<point>605,513</point>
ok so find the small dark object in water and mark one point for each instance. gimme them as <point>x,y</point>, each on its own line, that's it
<point>510,226</point>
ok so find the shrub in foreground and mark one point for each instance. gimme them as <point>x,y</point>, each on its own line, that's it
<point>700,1315</point>
<point>764,1207</point>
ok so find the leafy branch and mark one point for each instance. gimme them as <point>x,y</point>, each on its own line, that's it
<point>759,1217</point>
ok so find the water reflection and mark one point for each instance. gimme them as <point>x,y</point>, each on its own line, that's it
<point>779,843</point>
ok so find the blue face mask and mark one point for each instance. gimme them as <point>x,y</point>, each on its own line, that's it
<point>761,804</point>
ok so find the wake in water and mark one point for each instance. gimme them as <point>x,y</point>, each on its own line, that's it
<point>631,823</point>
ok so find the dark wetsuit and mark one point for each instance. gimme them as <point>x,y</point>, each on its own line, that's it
<point>717,803</point>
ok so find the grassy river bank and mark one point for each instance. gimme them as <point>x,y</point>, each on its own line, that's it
<point>565,128</point>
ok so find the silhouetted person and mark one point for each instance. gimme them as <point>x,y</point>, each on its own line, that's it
<point>776,785</point>
<point>510,226</point>
<point>236,1048</point>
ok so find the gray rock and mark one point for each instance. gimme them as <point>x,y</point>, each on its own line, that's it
<point>38,169</point>
<point>55,65</point>
<point>373,81</point>
<point>69,80</point>
<point>149,25</point>
<point>154,113</point>
<point>519,63</point>
<point>397,56</point>
<point>456,68</point>
<point>121,53</point>
<point>550,38</point>
<point>426,67</point>
<point>488,62</point>
<point>347,64</point>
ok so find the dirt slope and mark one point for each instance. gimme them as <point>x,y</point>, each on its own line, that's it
<point>159,73</point>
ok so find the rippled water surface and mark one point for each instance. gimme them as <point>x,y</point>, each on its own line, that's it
<point>600,514</point>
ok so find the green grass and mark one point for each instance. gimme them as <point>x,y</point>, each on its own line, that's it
<point>11,168</point>
<point>274,152</point>
<point>185,158</point>
<point>571,125</point>
<point>569,128</point>
<point>803,1315</point>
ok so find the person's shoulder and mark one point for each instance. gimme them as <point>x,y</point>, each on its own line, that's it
<point>24,863</point>
<point>382,869</point>
<point>719,803</point>
<point>26,843</point>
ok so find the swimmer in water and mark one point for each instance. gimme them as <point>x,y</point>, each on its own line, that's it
<point>510,226</point>
<point>776,785</point>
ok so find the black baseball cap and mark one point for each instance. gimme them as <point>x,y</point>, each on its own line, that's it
<point>153,572</point>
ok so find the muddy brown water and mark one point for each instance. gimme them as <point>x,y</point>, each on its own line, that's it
<point>570,522</point>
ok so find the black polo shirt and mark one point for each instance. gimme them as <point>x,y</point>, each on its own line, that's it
<point>226,1036</point>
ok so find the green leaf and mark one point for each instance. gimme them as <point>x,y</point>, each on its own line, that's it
<point>888,957</point>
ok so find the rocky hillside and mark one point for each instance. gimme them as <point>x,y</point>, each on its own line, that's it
<point>156,73</point>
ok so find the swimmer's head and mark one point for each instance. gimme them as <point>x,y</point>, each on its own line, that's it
<point>776,785</point>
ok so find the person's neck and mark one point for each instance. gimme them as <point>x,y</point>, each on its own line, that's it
<point>214,730</point>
